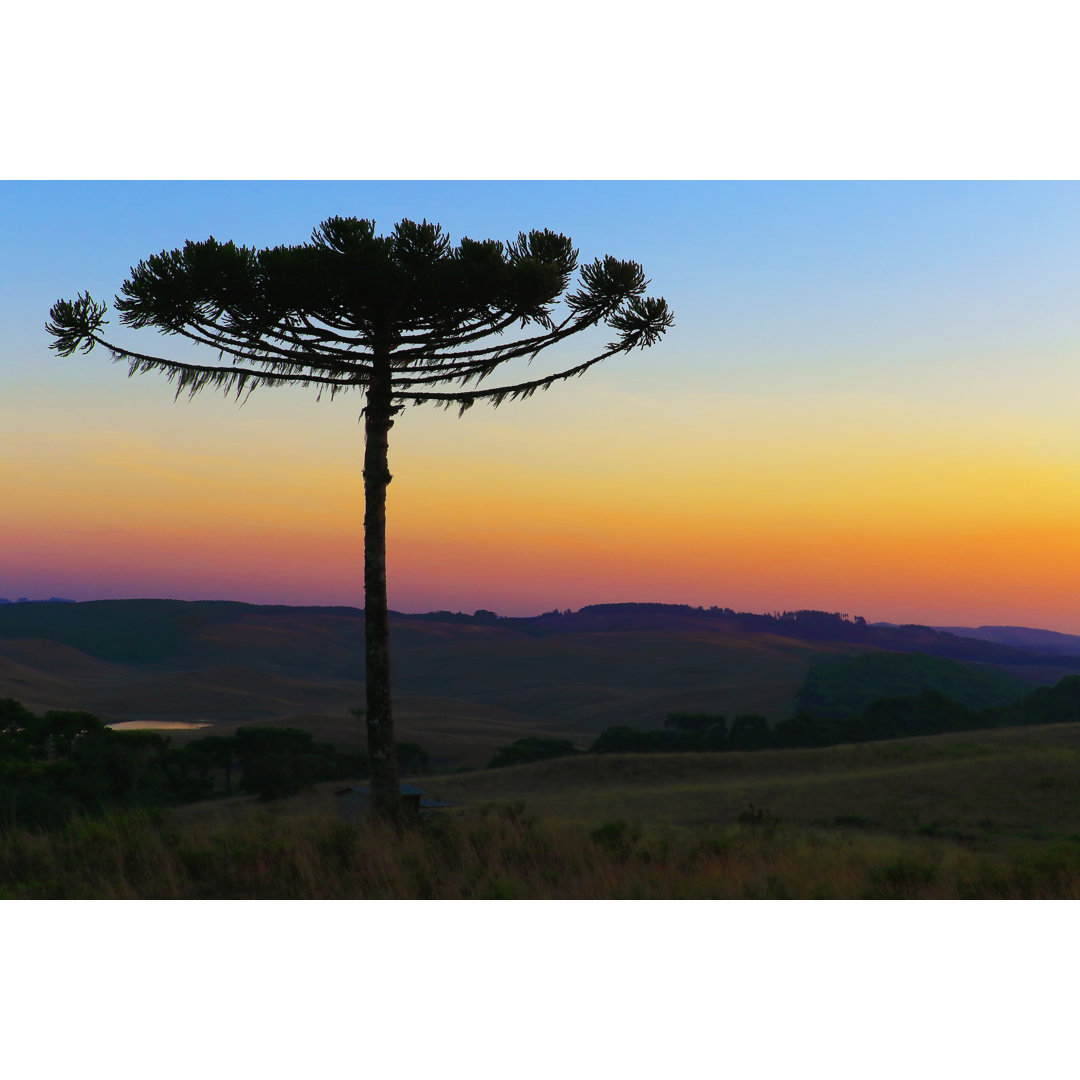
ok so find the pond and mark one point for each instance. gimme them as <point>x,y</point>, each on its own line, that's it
<point>157,725</point>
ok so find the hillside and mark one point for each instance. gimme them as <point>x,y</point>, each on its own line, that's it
<point>1020,637</point>
<point>1008,784</point>
<point>464,684</point>
<point>842,687</point>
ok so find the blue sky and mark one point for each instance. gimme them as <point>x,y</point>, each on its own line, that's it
<point>819,272</point>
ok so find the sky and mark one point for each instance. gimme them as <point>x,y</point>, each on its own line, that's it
<point>866,404</point>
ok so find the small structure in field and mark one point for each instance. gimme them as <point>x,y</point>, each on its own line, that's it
<point>354,803</point>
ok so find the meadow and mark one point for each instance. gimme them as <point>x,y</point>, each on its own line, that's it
<point>972,815</point>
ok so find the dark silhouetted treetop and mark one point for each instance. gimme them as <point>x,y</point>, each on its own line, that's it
<point>327,313</point>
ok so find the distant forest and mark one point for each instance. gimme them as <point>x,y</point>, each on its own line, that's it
<point>929,712</point>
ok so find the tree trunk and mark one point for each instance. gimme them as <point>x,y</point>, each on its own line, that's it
<point>378,419</point>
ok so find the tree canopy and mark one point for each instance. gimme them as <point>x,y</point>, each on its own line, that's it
<point>324,314</point>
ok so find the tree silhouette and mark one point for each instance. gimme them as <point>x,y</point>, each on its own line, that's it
<point>405,318</point>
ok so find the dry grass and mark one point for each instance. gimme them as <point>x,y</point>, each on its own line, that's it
<point>506,853</point>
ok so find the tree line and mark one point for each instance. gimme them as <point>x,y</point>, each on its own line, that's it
<point>65,763</point>
<point>904,716</point>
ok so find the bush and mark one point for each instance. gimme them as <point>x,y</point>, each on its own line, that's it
<point>628,740</point>
<point>412,758</point>
<point>273,774</point>
<point>618,837</point>
<point>524,751</point>
<point>749,732</point>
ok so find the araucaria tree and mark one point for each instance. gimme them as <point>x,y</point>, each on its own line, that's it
<point>406,318</point>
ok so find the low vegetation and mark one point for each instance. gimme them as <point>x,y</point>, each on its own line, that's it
<point>505,852</point>
<point>993,814</point>
<point>985,806</point>
<point>995,787</point>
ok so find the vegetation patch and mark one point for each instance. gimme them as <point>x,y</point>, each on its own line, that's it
<point>277,854</point>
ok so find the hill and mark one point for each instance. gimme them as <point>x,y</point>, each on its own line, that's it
<point>1021,637</point>
<point>464,684</point>
<point>1009,783</point>
<point>842,687</point>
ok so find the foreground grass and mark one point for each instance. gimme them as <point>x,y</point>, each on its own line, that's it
<point>506,853</point>
<point>988,814</point>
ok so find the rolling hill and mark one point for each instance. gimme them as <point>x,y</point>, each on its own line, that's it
<point>464,684</point>
<point>1021,637</point>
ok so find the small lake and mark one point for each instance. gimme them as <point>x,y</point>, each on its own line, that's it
<point>156,725</point>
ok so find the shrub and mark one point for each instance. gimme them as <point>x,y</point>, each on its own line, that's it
<point>749,732</point>
<point>523,751</point>
<point>618,837</point>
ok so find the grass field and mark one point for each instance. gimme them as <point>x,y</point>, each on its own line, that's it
<point>992,815</point>
<point>1012,782</point>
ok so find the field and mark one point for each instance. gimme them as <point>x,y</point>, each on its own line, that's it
<point>990,814</point>
<point>1006,783</point>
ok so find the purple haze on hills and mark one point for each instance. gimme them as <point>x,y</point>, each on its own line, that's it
<point>1021,637</point>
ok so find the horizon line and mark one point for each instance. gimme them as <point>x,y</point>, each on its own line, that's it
<point>21,601</point>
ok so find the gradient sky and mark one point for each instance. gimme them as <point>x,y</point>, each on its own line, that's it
<point>867,404</point>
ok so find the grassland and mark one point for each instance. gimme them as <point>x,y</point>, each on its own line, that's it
<point>989,814</point>
<point>1008,782</point>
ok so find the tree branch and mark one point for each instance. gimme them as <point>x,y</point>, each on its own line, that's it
<point>497,395</point>
<point>193,377</point>
<point>249,350</point>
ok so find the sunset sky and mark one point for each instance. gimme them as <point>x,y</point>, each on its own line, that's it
<point>868,404</point>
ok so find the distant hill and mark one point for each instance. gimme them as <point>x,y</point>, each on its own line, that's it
<point>1021,637</point>
<point>800,625</point>
<point>463,684</point>
<point>144,631</point>
<point>27,600</point>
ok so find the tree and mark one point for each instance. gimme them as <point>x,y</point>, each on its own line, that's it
<point>749,732</point>
<point>623,739</point>
<point>701,731</point>
<point>277,761</point>
<point>535,748</point>
<point>218,751</point>
<point>405,318</point>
